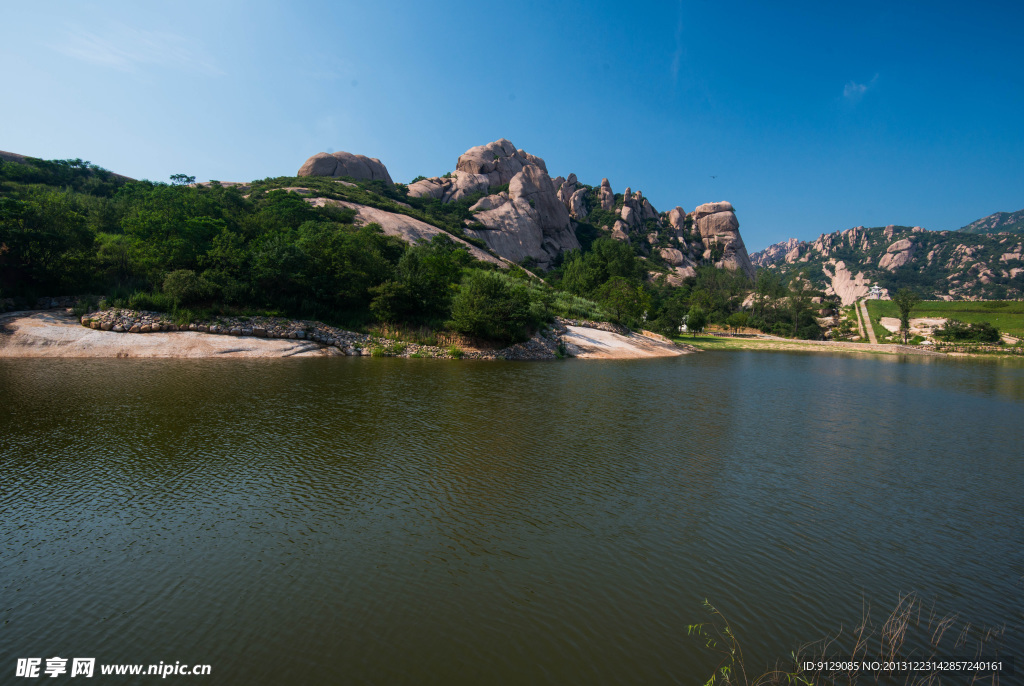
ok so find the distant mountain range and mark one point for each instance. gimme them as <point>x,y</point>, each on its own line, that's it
<point>1000,222</point>
<point>983,260</point>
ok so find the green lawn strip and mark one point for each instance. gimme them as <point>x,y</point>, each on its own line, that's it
<point>722,343</point>
<point>874,321</point>
<point>1005,315</point>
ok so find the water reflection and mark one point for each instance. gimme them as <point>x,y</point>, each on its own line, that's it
<point>419,521</point>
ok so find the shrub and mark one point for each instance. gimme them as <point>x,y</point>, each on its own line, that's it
<point>955,330</point>
<point>492,306</point>
<point>85,305</point>
<point>185,287</point>
<point>141,300</point>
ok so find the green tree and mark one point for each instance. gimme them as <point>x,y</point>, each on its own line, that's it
<point>737,320</point>
<point>696,320</point>
<point>625,299</point>
<point>671,313</point>
<point>906,300</point>
<point>181,179</point>
<point>185,287</point>
<point>491,306</point>
<point>800,306</point>
<point>584,273</point>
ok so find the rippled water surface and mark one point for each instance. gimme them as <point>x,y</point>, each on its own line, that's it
<point>430,522</point>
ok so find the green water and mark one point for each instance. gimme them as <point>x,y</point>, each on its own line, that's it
<point>429,522</point>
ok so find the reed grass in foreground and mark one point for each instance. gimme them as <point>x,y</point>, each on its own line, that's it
<point>913,635</point>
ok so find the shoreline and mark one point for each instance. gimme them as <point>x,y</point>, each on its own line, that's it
<point>773,343</point>
<point>118,333</point>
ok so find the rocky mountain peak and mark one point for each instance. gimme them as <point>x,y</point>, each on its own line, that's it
<point>341,163</point>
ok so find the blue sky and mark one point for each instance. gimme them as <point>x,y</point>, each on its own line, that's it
<point>807,119</point>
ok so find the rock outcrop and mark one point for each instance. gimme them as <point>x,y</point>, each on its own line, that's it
<point>607,197</point>
<point>341,163</point>
<point>499,161</point>
<point>959,265</point>
<point>525,215</point>
<point>719,227</point>
<point>897,255</point>
<point>529,221</point>
<point>409,229</point>
<point>775,253</point>
<point>450,188</point>
<point>848,287</point>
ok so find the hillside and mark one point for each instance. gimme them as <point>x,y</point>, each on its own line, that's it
<point>340,242</point>
<point>1000,222</point>
<point>521,213</point>
<point>944,265</point>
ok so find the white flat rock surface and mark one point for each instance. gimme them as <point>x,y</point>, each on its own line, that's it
<point>55,334</point>
<point>588,343</point>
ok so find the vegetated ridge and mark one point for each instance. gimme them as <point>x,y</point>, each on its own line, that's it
<point>342,243</point>
<point>943,265</point>
<point>1000,222</point>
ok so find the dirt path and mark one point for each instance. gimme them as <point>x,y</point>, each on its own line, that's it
<point>860,322</point>
<point>862,307</point>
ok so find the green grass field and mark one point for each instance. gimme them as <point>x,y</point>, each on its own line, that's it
<point>1005,315</point>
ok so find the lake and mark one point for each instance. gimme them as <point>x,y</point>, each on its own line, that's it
<point>354,520</point>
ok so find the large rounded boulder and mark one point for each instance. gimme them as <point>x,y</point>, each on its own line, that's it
<point>342,163</point>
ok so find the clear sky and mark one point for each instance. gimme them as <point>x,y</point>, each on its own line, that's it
<point>808,119</point>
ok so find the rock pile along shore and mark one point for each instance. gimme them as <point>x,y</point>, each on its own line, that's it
<point>543,345</point>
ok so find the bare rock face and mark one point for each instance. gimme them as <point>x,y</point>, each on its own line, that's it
<point>677,220</point>
<point>578,204</point>
<point>898,254</point>
<point>635,210</point>
<point>466,184</point>
<point>607,197</point>
<point>678,274</point>
<point>848,287</point>
<point>647,210</point>
<point>429,188</point>
<point>629,216</point>
<point>499,161</point>
<point>450,189</point>
<point>619,231</point>
<point>513,228</point>
<point>718,226</point>
<point>531,222</point>
<point>774,253</point>
<point>673,256</point>
<point>343,163</point>
<point>566,189</point>
<point>409,229</point>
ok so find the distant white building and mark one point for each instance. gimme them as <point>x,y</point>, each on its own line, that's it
<point>875,292</point>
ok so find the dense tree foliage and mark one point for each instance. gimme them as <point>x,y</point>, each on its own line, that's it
<point>493,306</point>
<point>956,331</point>
<point>70,227</point>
